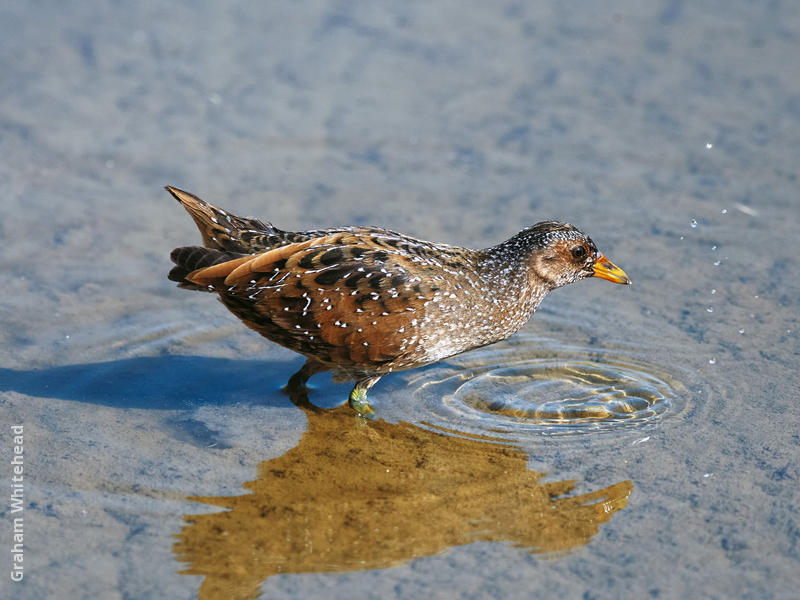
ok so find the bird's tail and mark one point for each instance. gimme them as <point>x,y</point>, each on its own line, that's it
<point>222,230</point>
<point>191,258</point>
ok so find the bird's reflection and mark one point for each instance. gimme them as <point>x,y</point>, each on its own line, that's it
<point>355,495</point>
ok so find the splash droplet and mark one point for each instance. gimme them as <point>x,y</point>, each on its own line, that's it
<point>709,145</point>
<point>741,331</point>
<point>717,263</point>
<point>712,361</point>
<point>710,309</point>
<point>693,223</point>
<point>713,248</point>
<point>713,292</point>
<point>724,211</point>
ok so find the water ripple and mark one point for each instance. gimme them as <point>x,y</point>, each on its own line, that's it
<point>537,387</point>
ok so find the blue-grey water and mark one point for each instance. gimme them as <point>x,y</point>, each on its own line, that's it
<point>637,441</point>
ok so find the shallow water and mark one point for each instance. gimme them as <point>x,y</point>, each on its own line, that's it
<point>531,388</point>
<point>629,441</point>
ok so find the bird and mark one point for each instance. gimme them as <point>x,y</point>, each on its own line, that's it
<point>363,302</point>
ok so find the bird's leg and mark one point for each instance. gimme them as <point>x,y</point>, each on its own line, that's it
<point>358,397</point>
<point>299,379</point>
<point>296,387</point>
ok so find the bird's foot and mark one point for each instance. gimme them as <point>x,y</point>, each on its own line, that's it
<point>358,402</point>
<point>296,383</point>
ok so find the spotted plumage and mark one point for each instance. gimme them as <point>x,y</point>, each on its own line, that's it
<point>366,301</point>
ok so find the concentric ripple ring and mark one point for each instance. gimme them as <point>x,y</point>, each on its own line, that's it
<point>539,387</point>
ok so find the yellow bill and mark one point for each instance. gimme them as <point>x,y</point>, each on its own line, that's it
<point>605,269</point>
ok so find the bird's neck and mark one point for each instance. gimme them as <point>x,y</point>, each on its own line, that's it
<point>506,272</point>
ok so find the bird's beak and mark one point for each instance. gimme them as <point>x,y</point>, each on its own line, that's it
<point>605,269</point>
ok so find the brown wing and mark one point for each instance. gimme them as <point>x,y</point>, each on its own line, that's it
<point>347,298</point>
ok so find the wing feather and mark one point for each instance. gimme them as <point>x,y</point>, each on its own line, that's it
<point>343,297</point>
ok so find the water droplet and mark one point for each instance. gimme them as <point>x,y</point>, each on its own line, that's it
<point>741,331</point>
<point>712,361</point>
<point>681,237</point>
<point>713,292</point>
<point>693,223</point>
<point>717,263</point>
<point>709,145</point>
<point>724,211</point>
<point>710,309</point>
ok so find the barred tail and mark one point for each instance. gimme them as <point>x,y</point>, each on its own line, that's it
<point>222,230</point>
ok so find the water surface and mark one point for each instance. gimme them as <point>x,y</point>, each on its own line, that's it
<point>638,440</point>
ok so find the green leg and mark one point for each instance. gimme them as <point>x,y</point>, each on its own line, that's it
<point>358,397</point>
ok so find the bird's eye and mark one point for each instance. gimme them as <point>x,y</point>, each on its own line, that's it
<point>578,252</point>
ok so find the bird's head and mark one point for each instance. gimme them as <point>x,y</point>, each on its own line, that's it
<point>559,253</point>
